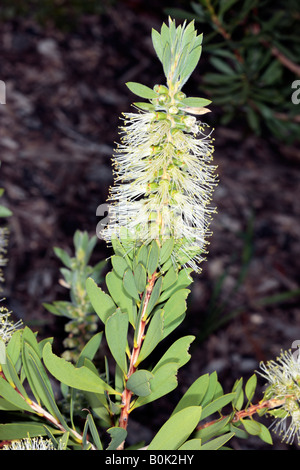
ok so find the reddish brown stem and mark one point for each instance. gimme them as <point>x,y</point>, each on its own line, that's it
<point>251,410</point>
<point>127,394</point>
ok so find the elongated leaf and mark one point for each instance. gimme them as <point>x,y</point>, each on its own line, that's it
<point>153,336</point>
<point>90,349</point>
<point>251,426</point>
<point>118,435</point>
<point>116,330</point>
<point>12,396</point>
<point>175,309</point>
<point>119,264</point>
<point>94,432</point>
<point>12,431</point>
<point>80,378</point>
<point>215,429</point>
<point>195,102</point>
<point>153,257</point>
<point>154,296</point>
<point>102,303</point>
<point>163,382</point>
<point>169,278</point>
<point>130,285</point>
<point>14,346</point>
<point>217,404</point>
<point>218,442</point>
<point>195,393</point>
<point>141,90</point>
<point>140,277</point>
<point>166,250</point>
<point>191,444</point>
<point>157,44</point>
<point>177,352</point>
<point>176,430</point>
<point>250,387</point>
<point>140,383</point>
<point>121,298</point>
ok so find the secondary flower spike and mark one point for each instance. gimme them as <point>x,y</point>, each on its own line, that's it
<point>283,383</point>
<point>164,179</point>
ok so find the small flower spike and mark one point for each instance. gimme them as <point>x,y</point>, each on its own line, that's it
<point>7,327</point>
<point>35,443</point>
<point>164,179</point>
<point>283,383</point>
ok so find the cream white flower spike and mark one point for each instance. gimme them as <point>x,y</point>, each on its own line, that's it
<point>164,179</point>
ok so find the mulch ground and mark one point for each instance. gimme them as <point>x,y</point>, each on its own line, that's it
<point>65,95</point>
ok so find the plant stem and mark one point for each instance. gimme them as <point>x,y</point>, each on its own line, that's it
<point>246,413</point>
<point>127,394</point>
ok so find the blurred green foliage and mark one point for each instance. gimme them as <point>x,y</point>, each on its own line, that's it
<point>82,320</point>
<point>254,57</point>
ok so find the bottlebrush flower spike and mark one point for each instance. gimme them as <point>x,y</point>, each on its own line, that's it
<point>164,179</point>
<point>283,384</point>
<point>35,443</point>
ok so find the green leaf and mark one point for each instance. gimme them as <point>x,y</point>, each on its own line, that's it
<point>157,44</point>
<point>153,336</point>
<point>38,379</point>
<point>142,255</point>
<point>13,431</point>
<point>101,302</point>
<point>94,432</point>
<point>119,264</point>
<point>14,346</point>
<point>195,102</point>
<point>217,404</point>
<point>265,434</point>
<point>250,387</point>
<point>163,382</point>
<point>251,426</point>
<point>140,277</point>
<point>63,256</point>
<point>90,349</point>
<point>116,330</point>
<point>195,394</point>
<point>211,389</point>
<point>176,430</point>
<point>174,310</point>
<point>80,378</point>
<point>141,90</point>
<point>130,285</point>
<point>169,278</point>
<point>213,430</point>
<point>120,296</point>
<point>166,250</point>
<point>184,280</point>
<point>5,212</point>
<point>192,62</point>
<point>218,442</point>
<point>191,444</point>
<point>238,401</point>
<point>177,352</point>
<point>139,383</point>
<point>12,396</point>
<point>154,297</point>
<point>118,435</point>
<point>153,257</point>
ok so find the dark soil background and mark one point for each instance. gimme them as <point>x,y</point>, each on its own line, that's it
<point>65,94</point>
